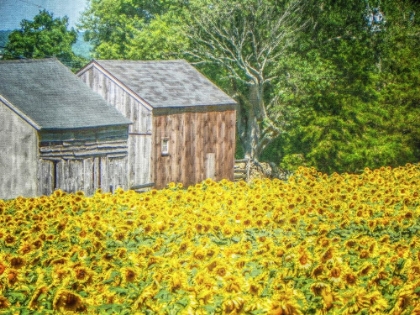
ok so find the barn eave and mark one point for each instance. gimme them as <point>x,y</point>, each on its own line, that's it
<point>20,113</point>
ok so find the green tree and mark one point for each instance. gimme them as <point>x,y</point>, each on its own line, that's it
<point>45,36</point>
<point>400,78</point>
<point>138,29</point>
<point>345,87</point>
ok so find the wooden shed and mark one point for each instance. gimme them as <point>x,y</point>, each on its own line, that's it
<point>183,125</point>
<point>55,132</point>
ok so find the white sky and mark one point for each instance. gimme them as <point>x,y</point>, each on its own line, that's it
<point>12,12</point>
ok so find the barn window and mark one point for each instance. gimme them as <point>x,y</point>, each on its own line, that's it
<point>165,146</point>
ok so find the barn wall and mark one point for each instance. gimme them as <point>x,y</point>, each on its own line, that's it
<point>18,156</point>
<point>201,145</point>
<point>140,132</point>
<point>83,165</point>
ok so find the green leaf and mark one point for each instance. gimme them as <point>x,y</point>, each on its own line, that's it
<point>184,301</point>
<point>164,295</point>
<point>119,290</point>
<point>236,238</point>
<point>112,277</point>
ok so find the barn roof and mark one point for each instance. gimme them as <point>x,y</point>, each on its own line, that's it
<point>47,93</point>
<point>170,83</point>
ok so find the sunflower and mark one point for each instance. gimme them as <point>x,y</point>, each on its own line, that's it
<point>318,272</point>
<point>59,193</point>
<point>330,299</point>
<point>335,274</point>
<point>220,270</point>
<point>285,307</point>
<point>200,253</point>
<point>129,274</point>
<point>12,277</point>
<point>378,304</point>
<point>4,303</point>
<point>247,221</point>
<point>178,281</point>
<point>120,235</point>
<point>203,280</point>
<point>227,231</point>
<point>254,286</point>
<point>184,246</point>
<point>304,261</point>
<point>364,254</point>
<point>121,252</point>
<point>328,255</point>
<point>356,302</point>
<point>209,182</point>
<point>60,273</point>
<point>65,300</point>
<point>82,274</point>
<point>154,260</point>
<point>233,304</point>
<point>201,296</point>
<point>33,303</point>
<point>149,229</point>
<point>365,269</point>
<point>9,240</point>
<point>402,251</point>
<point>17,262</point>
<point>2,268</point>
<point>146,295</point>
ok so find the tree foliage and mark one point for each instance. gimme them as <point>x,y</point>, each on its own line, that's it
<point>43,37</point>
<point>345,90</point>
<point>139,29</point>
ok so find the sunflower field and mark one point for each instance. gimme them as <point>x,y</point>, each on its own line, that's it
<point>316,244</point>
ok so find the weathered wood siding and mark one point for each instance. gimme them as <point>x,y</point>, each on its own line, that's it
<point>201,144</point>
<point>85,166</point>
<point>18,157</point>
<point>140,132</point>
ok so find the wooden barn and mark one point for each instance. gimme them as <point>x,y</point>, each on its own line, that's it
<point>183,125</point>
<point>55,132</point>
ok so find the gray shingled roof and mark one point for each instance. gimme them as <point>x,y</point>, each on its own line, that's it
<point>171,83</point>
<point>53,97</point>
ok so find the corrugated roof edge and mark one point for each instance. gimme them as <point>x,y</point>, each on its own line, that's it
<point>194,109</point>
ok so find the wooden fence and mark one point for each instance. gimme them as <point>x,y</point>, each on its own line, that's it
<point>242,170</point>
<point>143,188</point>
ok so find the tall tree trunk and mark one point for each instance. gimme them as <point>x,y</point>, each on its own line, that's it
<point>250,115</point>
